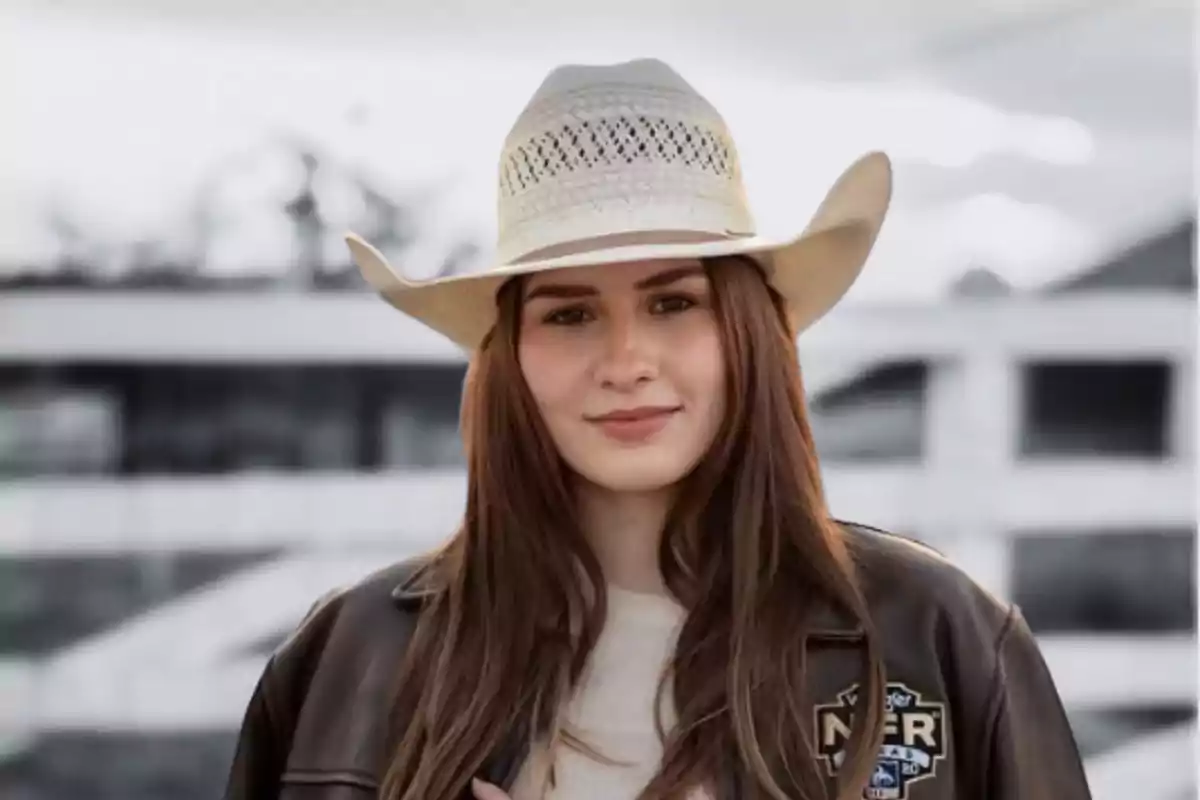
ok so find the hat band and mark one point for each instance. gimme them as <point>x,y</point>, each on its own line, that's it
<point>617,240</point>
<point>674,220</point>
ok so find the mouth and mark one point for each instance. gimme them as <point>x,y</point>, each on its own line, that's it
<point>633,425</point>
<point>635,414</point>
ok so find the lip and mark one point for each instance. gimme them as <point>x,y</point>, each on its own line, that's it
<point>635,414</point>
<point>632,425</point>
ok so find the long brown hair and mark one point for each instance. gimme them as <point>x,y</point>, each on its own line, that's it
<point>516,598</point>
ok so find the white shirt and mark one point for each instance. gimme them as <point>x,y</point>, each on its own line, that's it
<point>613,707</point>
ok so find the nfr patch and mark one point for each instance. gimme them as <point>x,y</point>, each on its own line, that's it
<point>914,739</point>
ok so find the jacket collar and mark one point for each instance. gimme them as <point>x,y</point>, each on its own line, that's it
<point>409,598</point>
<point>828,621</point>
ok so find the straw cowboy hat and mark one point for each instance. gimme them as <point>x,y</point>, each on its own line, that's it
<point>628,162</point>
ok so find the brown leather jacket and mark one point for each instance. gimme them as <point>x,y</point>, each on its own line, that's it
<point>974,714</point>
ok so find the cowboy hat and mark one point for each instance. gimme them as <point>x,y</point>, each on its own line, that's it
<point>627,162</point>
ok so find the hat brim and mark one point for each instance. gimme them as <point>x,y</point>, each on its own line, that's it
<point>811,271</point>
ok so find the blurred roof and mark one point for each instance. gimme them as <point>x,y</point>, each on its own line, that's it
<point>1124,71</point>
<point>1164,263</point>
<point>1061,129</point>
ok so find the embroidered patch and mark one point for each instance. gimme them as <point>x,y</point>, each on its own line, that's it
<point>914,739</point>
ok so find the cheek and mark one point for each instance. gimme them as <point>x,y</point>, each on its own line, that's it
<point>700,375</point>
<point>552,376</point>
<point>700,364</point>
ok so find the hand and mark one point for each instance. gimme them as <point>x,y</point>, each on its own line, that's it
<point>486,791</point>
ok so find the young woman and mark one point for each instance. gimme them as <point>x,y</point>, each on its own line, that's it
<point>647,597</point>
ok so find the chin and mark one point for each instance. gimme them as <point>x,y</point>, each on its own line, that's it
<point>634,472</point>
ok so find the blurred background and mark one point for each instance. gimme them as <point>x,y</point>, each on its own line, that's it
<point>205,421</point>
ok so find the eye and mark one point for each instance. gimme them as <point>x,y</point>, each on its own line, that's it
<point>671,304</point>
<point>572,315</point>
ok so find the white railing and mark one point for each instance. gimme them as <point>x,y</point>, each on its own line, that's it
<point>143,676</point>
<point>1157,766</point>
<point>251,512</point>
<point>239,328</point>
<point>970,496</point>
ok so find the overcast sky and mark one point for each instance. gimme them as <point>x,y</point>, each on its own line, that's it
<point>1031,144</point>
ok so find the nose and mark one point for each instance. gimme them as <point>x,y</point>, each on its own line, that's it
<point>628,358</point>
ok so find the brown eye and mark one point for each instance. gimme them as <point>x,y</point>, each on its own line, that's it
<point>671,304</point>
<point>575,315</point>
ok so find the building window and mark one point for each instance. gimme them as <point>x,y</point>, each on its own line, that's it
<point>198,419</point>
<point>1109,582</point>
<point>418,418</point>
<point>1097,409</point>
<point>58,430</point>
<point>877,417</point>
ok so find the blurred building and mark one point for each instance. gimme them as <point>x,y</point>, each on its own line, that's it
<point>185,470</point>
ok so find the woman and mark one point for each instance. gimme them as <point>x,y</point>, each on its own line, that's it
<point>647,597</point>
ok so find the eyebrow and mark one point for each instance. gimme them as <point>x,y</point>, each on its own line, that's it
<point>656,281</point>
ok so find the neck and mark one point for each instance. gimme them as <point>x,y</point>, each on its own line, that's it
<point>624,530</point>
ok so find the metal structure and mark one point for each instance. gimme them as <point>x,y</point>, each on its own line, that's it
<point>971,496</point>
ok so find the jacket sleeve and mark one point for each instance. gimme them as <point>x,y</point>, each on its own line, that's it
<point>265,739</point>
<point>262,746</point>
<point>1032,752</point>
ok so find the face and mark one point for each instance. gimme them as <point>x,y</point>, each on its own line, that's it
<point>625,364</point>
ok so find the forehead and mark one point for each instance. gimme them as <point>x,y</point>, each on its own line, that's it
<point>610,276</point>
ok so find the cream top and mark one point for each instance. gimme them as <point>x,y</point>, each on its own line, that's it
<point>613,707</point>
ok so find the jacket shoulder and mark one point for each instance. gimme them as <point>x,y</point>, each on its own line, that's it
<point>924,605</point>
<point>958,640</point>
<point>899,570</point>
<point>378,594</point>
<point>332,674</point>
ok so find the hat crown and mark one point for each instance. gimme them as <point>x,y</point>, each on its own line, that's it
<point>639,73</point>
<point>613,150</point>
